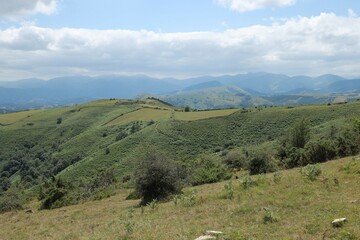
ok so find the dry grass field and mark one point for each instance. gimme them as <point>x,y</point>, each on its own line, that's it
<point>300,209</point>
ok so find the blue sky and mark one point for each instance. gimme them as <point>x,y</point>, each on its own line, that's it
<point>177,15</point>
<point>178,38</point>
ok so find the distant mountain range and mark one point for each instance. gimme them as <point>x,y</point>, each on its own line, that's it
<point>241,90</point>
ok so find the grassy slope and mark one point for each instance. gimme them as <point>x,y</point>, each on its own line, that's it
<point>193,116</point>
<point>87,130</point>
<point>304,210</point>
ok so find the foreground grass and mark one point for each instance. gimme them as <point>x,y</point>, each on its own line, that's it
<point>302,209</point>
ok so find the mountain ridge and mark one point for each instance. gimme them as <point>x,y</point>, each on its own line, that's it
<point>67,90</point>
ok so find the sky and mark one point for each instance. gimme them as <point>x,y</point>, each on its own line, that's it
<point>178,38</point>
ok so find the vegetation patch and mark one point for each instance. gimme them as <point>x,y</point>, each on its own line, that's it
<point>197,115</point>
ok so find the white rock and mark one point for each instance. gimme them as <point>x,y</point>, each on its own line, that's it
<point>205,237</point>
<point>211,232</point>
<point>338,222</point>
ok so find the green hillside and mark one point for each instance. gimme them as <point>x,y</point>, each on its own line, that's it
<point>77,144</point>
<point>296,208</point>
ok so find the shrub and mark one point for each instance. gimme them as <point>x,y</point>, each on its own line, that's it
<point>153,204</point>
<point>320,150</point>
<point>59,120</point>
<point>53,193</point>
<point>12,199</point>
<point>298,133</point>
<point>186,199</point>
<point>258,165</point>
<point>209,169</point>
<point>311,172</point>
<point>156,176</point>
<point>262,162</point>
<point>121,136</point>
<point>236,159</point>
<point>269,216</point>
<point>135,127</point>
<point>229,190</point>
<point>296,157</point>
<point>348,143</point>
<point>247,182</point>
<point>4,184</point>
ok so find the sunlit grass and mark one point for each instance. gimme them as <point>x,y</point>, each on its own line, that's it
<point>303,209</point>
<point>10,118</point>
<point>143,114</point>
<point>193,116</point>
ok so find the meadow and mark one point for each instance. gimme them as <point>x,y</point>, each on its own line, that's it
<point>299,209</point>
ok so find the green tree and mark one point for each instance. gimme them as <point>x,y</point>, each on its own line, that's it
<point>299,133</point>
<point>156,176</point>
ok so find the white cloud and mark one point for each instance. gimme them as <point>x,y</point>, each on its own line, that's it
<point>351,13</point>
<point>15,8</point>
<point>312,46</point>
<point>250,5</point>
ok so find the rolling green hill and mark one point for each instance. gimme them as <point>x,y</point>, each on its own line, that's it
<point>65,156</point>
<point>75,142</point>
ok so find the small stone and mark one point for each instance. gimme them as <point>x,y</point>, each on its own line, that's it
<point>205,237</point>
<point>338,222</point>
<point>211,232</point>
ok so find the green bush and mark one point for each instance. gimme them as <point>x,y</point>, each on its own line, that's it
<point>187,199</point>
<point>209,169</point>
<point>348,142</point>
<point>298,134</point>
<point>229,190</point>
<point>311,172</point>
<point>320,150</point>
<point>156,176</point>
<point>53,193</point>
<point>4,184</point>
<point>262,160</point>
<point>12,199</point>
<point>268,216</point>
<point>236,159</point>
<point>247,182</point>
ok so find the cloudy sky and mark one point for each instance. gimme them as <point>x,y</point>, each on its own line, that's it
<point>178,38</point>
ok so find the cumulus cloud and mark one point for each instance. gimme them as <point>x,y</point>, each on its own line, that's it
<point>312,46</point>
<point>16,8</point>
<point>250,5</point>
